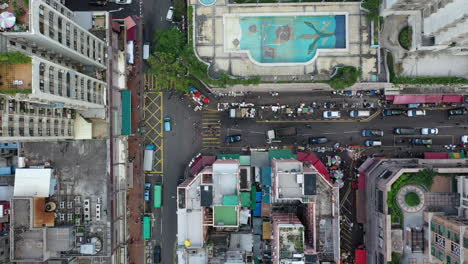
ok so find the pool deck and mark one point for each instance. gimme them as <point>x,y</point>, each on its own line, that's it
<point>209,41</point>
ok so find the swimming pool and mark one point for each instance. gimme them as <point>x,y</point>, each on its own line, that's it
<point>289,38</point>
<point>207,2</point>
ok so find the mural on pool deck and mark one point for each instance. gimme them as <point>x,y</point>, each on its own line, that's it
<point>290,39</point>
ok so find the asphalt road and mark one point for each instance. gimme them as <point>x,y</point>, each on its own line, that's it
<point>118,11</point>
<point>349,133</point>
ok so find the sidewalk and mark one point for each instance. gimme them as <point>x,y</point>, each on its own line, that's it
<point>135,203</point>
<point>297,87</point>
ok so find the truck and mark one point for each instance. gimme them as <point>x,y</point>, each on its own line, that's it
<point>148,158</point>
<point>280,133</point>
<point>242,113</point>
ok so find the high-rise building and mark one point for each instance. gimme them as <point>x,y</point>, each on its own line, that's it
<point>54,67</point>
<point>437,24</point>
<point>49,28</point>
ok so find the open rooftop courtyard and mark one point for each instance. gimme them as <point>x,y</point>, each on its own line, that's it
<point>285,41</point>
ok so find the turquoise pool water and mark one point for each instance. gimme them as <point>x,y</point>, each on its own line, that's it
<point>207,2</point>
<point>288,39</point>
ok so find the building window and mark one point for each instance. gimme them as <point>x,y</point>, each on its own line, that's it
<point>433,251</point>
<point>441,255</point>
<point>12,43</point>
<point>456,238</point>
<point>441,230</point>
<point>449,234</point>
<point>433,226</point>
<point>449,260</point>
<point>465,242</point>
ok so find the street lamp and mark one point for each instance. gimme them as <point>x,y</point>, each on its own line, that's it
<point>116,10</point>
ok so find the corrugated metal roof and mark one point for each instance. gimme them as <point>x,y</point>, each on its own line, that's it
<point>266,176</point>
<point>126,112</point>
<point>281,154</point>
<point>245,199</point>
<point>244,160</point>
<point>230,200</point>
<point>266,230</point>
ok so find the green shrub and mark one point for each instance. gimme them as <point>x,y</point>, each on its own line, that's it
<point>424,177</point>
<point>373,7</point>
<point>412,199</point>
<point>345,77</point>
<point>396,258</point>
<point>429,80</point>
<point>405,38</point>
<point>14,58</point>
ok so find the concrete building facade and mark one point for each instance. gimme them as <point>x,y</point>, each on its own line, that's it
<point>437,24</point>
<point>27,121</point>
<point>52,30</point>
<point>447,239</point>
<point>383,234</point>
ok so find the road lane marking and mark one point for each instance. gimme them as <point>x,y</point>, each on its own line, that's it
<point>256,132</point>
<point>350,132</point>
<point>325,120</point>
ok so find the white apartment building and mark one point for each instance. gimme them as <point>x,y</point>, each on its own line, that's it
<point>437,24</point>
<point>52,31</point>
<point>25,121</point>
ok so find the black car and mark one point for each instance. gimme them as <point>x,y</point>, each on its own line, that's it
<point>405,131</point>
<point>318,140</point>
<point>392,112</point>
<point>98,2</point>
<point>233,138</point>
<point>157,254</point>
<point>421,141</point>
<point>458,111</point>
<point>372,133</point>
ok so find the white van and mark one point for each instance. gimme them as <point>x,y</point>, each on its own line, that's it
<point>373,143</point>
<point>170,13</point>
<point>359,113</point>
<point>146,51</point>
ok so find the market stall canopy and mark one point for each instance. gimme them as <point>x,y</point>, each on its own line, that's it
<point>7,20</point>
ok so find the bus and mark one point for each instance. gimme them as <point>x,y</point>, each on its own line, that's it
<point>146,227</point>
<point>157,196</point>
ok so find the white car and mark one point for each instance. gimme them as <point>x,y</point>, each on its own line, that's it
<point>416,112</point>
<point>123,2</point>
<point>331,114</point>
<point>429,131</point>
<point>464,139</point>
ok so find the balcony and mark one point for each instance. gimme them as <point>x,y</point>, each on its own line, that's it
<point>15,73</point>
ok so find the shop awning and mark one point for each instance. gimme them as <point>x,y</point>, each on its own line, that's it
<point>126,96</point>
<point>436,155</point>
<point>360,256</point>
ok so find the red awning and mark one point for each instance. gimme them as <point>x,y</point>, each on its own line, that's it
<point>360,256</point>
<point>420,99</point>
<point>131,34</point>
<point>436,155</point>
<point>200,163</point>
<point>452,98</point>
<point>322,169</point>
<point>362,180</point>
<point>115,26</point>
<point>314,160</point>
<point>409,99</point>
<point>129,22</point>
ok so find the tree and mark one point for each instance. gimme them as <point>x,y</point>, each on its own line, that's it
<point>170,41</point>
<point>170,71</point>
<point>344,77</point>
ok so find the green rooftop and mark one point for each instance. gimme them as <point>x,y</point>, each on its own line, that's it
<point>225,215</point>
<point>228,156</point>
<point>281,154</point>
<point>245,199</point>
<point>245,160</point>
<point>230,199</point>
